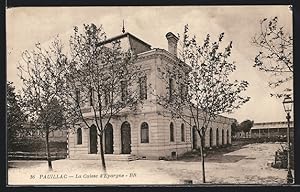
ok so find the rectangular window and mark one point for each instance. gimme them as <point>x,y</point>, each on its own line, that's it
<point>181,89</point>
<point>91,96</point>
<point>79,100</point>
<point>171,89</point>
<point>185,91</point>
<point>106,98</point>
<point>143,88</point>
<point>123,90</point>
<point>77,95</point>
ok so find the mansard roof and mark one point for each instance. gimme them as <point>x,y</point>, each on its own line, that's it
<point>129,36</point>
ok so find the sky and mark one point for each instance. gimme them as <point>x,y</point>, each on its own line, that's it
<point>26,26</point>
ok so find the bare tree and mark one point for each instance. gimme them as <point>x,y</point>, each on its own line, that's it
<point>200,89</point>
<point>42,89</point>
<point>101,80</point>
<point>275,55</point>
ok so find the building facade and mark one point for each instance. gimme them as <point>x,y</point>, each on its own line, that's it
<point>147,134</point>
<point>271,129</point>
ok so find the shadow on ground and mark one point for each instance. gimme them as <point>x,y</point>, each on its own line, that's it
<point>217,155</point>
<point>24,164</point>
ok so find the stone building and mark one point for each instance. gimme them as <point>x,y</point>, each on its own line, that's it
<point>30,132</point>
<point>148,134</point>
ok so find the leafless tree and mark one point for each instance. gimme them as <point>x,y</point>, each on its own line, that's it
<point>42,89</point>
<point>100,81</point>
<point>275,55</point>
<point>199,89</point>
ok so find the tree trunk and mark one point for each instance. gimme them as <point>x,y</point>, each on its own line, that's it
<point>48,150</point>
<point>102,153</point>
<point>202,159</point>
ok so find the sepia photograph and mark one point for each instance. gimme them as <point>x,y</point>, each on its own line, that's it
<point>150,95</point>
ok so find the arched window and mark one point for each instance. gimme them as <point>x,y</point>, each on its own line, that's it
<point>217,137</point>
<point>222,136</point>
<point>144,133</point>
<point>210,137</point>
<point>227,137</point>
<point>79,136</point>
<point>171,132</point>
<point>182,132</point>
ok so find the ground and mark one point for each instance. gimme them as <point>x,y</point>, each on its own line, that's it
<point>244,165</point>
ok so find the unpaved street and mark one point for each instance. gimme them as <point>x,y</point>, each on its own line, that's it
<point>247,165</point>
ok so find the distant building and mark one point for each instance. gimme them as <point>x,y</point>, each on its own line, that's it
<point>271,129</point>
<point>147,134</point>
<point>241,134</point>
<point>30,132</point>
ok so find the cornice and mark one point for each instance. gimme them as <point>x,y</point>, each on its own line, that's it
<point>163,54</point>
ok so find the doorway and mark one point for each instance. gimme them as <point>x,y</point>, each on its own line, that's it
<point>109,139</point>
<point>93,139</point>
<point>126,138</point>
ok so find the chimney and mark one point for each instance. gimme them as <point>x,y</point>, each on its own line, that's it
<point>172,43</point>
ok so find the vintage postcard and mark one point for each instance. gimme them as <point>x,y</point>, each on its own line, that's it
<point>158,95</point>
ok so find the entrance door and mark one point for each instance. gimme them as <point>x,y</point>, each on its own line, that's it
<point>93,139</point>
<point>109,139</point>
<point>194,138</point>
<point>126,138</point>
